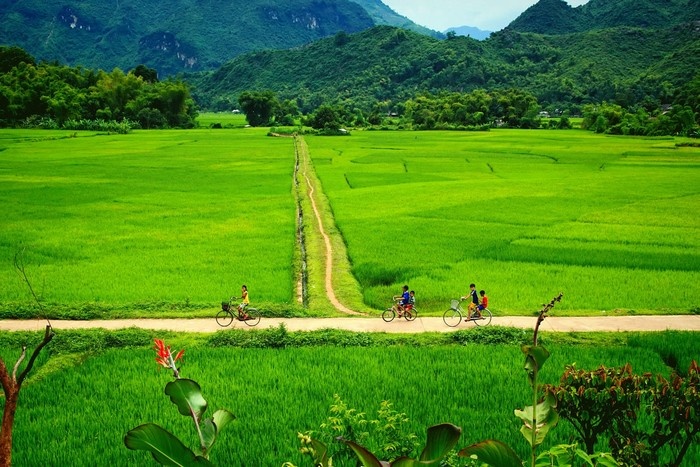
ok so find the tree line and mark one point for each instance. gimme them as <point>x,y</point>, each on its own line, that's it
<point>50,95</point>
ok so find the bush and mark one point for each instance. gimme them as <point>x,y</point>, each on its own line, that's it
<point>491,335</point>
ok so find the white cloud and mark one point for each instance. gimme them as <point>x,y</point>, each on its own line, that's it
<point>441,14</point>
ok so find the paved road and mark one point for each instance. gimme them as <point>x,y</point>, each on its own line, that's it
<point>559,324</point>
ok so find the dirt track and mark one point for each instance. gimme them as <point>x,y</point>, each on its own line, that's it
<point>432,324</point>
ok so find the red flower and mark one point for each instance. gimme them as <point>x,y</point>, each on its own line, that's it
<point>164,357</point>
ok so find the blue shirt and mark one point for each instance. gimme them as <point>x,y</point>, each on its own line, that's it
<point>405,298</point>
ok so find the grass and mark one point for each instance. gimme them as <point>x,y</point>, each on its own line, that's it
<point>475,386</point>
<point>176,219</point>
<point>609,221</point>
<point>225,119</point>
<point>169,223</point>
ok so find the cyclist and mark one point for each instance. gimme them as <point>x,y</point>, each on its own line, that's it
<point>245,301</point>
<point>403,300</point>
<point>474,299</point>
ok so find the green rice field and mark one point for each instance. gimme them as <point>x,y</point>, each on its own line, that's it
<point>610,221</point>
<point>79,416</point>
<point>178,220</point>
<point>167,217</point>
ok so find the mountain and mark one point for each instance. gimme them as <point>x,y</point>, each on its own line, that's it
<point>385,64</point>
<point>558,17</point>
<point>178,35</point>
<point>383,15</point>
<point>470,31</point>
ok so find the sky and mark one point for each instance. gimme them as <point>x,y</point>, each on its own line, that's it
<point>489,15</point>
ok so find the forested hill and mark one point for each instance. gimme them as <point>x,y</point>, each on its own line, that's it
<point>388,65</point>
<point>178,35</point>
<point>558,17</point>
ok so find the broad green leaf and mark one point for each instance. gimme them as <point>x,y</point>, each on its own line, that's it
<point>441,440</point>
<point>494,453</point>
<point>321,453</point>
<point>187,396</point>
<point>211,427</point>
<point>222,417</point>
<point>604,459</point>
<point>547,418</point>
<point>208,430</point>
<point>406,462</point>
<point>163,446</point>
<point>366,458</point>
<point>534,359</point>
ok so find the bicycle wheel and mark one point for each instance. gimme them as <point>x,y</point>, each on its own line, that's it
<point>253,317</point>
<point>224,318</point>
<point>452,317</point>
<point>389,315</point>
<point>411,314</point>
<point>485,319</point>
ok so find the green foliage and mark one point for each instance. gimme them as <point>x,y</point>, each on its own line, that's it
<point>612,119</point>
<point>159,36</point>
<point>613,403</point>
<point>186,395</point>
<point>386,67</point>
<point>258,107</point>
<point>491,335</point>
<point>677,350</point>
<point>387,435</point>
<point>277,381</point>
<point>80,99</point>
<point>476,110</point>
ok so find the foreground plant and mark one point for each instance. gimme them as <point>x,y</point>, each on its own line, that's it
<point>186,394</point>
<point>639,415</point>
<point>538,419</point>
<point>11,381</point>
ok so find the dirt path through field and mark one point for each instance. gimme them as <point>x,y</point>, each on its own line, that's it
<point>430,324</point>
<point>330,292</point>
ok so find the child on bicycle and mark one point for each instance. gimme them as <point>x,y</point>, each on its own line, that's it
<point>412,298</point>
<point>484,300</point>
<point>403,300</point>
<point>474,299</point>
<point>245,301</point>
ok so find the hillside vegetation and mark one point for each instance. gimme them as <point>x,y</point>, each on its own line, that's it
<point>388,65</point>
<point>558,17</point>
<point>170,36</point>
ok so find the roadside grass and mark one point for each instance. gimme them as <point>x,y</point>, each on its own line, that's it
<point>152,223</point>
<point>612,222</point>
<point>263,376</point>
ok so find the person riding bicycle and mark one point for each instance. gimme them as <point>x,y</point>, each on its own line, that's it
<point>474,300</point>
<point>245,301</point>
<point>403,300</point>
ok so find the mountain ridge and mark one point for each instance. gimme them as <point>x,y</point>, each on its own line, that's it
<point>179,35</point>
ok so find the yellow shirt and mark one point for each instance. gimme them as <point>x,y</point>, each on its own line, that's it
<point>245,298</point>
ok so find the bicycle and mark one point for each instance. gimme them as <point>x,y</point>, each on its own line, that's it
<point>249,315</point>
<point>410,312</point>
<point>453,316</point>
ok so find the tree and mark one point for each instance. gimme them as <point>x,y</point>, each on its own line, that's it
<point>258,107</point>
<point>149,75</point>
<point>10,57</point>
<point>325,118</point>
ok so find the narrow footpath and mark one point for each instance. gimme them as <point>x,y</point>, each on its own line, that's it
<point>430,324</point>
